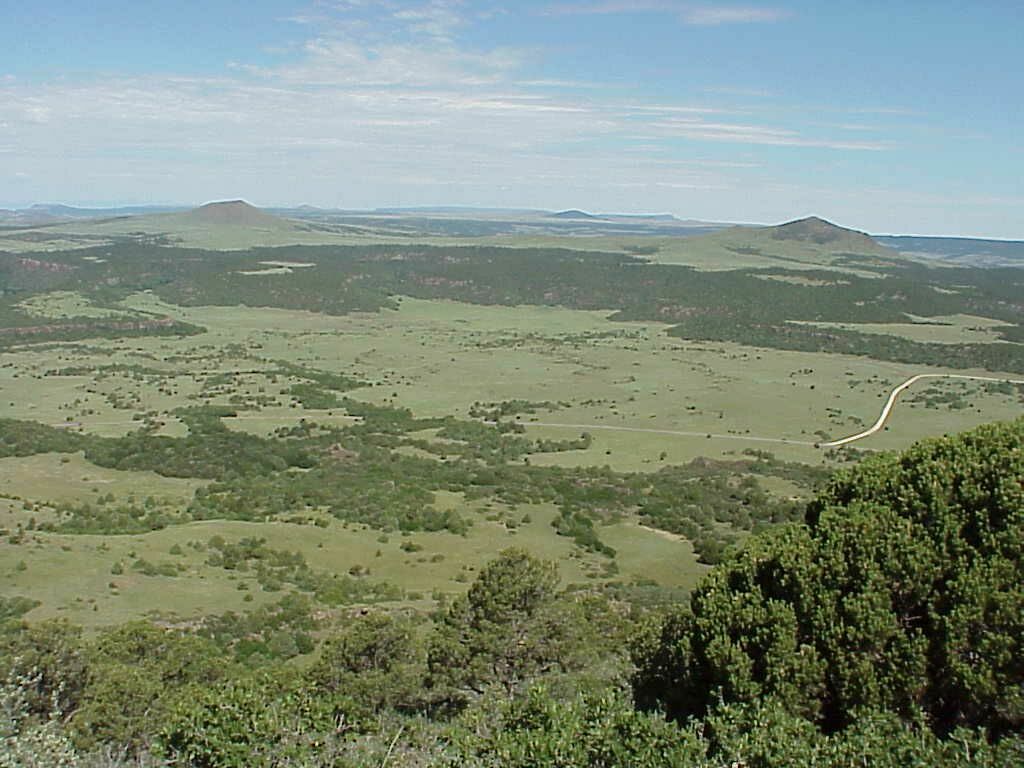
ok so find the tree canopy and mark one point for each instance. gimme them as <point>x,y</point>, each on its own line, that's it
<point>901,592</point>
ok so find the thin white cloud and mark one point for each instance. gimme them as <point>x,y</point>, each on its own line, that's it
<point>713,16</point>
<point>601,8</point>
<point>754,134</point>
<point>669,109</point>
<point>556,83</point>
<point>358,117</point>
<point>705,15</point>
<point>437,19</point>
<point>336,61</point>
<point>729,90</point>
<point>896,111</point>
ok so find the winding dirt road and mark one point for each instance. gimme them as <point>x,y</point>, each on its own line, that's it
<point>884,415</point>
<point>879,423</point>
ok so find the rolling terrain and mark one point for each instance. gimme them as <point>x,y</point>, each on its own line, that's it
<point>601,355</point>
<point>358,475</point>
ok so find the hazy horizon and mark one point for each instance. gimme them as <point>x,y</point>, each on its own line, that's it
<point>881,118</point>
<point>485,209</point>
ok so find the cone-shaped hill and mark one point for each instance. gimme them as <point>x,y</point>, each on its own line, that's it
<point>227,225</point>
<point>573,214</point>
<point>808,243</point>
<point>234,213</point>
<point>816,230</point>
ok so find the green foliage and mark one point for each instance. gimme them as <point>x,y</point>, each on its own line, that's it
<point>495,411</point>
<point>961,501</point>
<point>356,475</point>
<point>275,568</point>
<point>377,660</point>
<point>580,528</point>
<point>885,630</point>
<point>280,630</point>
<point>136,673</point>
<point>752,307</point>
<point>146,568</point>
<point>311,396</point>
<point>78,328</point>
<point>325,380</point>
<point>210,450</point>
<point>112,519</point>
<point>30,739</point>
<point>27,438</point>
<point>902,594</point>
<point>504,631</point>
<point>255,721</point>
<point>15,607</point>
<point>765,735</point>
<point>601,731</point>
<point>50,654</point>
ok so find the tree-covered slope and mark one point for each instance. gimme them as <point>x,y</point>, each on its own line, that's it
<point>884,630</point>
<point>902,592</point>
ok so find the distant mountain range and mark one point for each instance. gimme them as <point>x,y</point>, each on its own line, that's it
<point>52,213</point>
<point>58,211</point>
<point>462,221</point>
<point>961,250</point>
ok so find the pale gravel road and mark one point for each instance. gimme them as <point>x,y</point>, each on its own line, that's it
<point>884,415</point>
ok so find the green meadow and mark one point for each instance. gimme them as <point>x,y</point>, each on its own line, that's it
<point>72,574</point>
<point>440,357</point>
<point>648,401</point>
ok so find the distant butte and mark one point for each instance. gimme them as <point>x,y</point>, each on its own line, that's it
<point>817,230</point>
<point>573,214</point>
<point>236,212</point>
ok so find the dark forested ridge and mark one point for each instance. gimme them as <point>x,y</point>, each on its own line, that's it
<point>750,306</point>
<point>885,628</point>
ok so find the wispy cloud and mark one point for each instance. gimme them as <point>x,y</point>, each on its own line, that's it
<point>739,91</point>
<point>384,97</point>
<point>437,19</point>
<point>705,15</point>
<point>713,16</point>
<point>735,133</point>
<point>601,8</point>
<point>334,61</point>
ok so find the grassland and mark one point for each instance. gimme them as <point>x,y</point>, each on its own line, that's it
<point>439,357</point>
<point>54,477</point>
<point>738,247</point>
<point>71,575</point>
<point>183,229</point>
<point>948,329</point>
<point>649,400</point>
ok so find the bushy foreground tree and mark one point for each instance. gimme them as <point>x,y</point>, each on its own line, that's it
<point>885,630</point>
<point>377,660</point>
<point>503,631</point>
<point>137,673</point>
<point>902,593</point>
<point>539,731</point>
<point>257,720</point>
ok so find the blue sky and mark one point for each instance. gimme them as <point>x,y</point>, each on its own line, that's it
<point>886,116</point>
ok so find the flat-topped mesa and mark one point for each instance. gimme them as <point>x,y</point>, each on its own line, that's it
<point>817,230</point>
